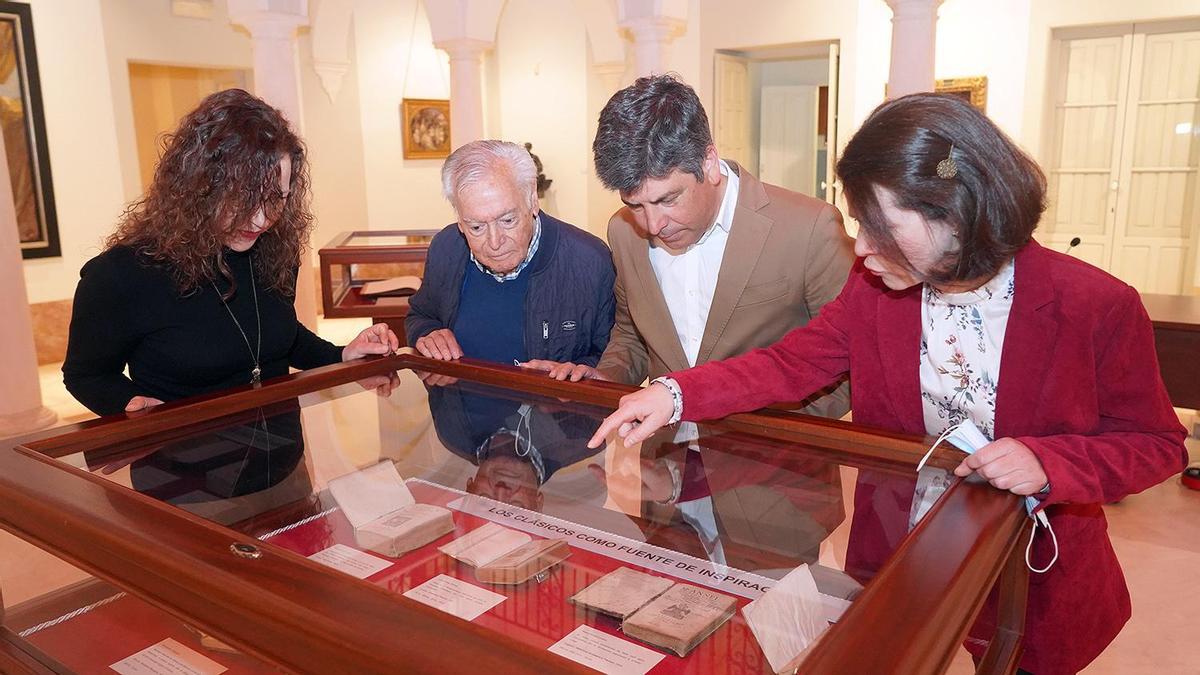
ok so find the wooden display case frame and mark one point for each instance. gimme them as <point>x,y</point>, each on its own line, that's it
<point>304,617</point>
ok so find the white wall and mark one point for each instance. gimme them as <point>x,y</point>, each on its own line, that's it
<point>392,36</point>
<point>980,37</point>
<point>84,158</point>
<point>541,61</point>
<point>333,134</point>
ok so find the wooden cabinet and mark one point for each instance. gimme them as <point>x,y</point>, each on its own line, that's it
<point>195,522</point>
<point>354,258</point>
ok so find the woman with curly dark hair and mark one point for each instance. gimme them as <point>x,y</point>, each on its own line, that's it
<point>195,290</point>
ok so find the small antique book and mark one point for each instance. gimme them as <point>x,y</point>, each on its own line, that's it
<point>681,618</point>
<point>524,563</point>
<point>503,556</point>
<point>396,286</point>
<point>385,516</point>
<point>621,592</point>
<point>484,544</point>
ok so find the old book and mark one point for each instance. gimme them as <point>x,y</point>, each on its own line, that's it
<point>404,529</point>
<point>621,592</point>
<point>680,618</point>
<point>385,516</point>
<point>484,544</point>
<point>396,286</point>
<point>524,562</point>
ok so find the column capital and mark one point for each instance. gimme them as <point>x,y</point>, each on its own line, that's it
<point>269,18</point>
<point>660,29</point>
<point>907,9</point>
<point>267,25</point>
<point>463,47</point>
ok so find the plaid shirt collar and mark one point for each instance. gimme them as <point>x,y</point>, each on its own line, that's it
<point>533,247</point>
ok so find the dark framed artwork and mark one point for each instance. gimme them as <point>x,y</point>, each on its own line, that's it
<point>24,127</point>
<point>426,124</point>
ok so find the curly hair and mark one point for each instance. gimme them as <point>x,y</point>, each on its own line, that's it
<point>217,169</point>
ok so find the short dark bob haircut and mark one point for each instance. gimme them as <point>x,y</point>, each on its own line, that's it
<point>993,203</point>
<point>649,129</point>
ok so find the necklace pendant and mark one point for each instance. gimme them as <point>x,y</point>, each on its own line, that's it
<point>256,375</point>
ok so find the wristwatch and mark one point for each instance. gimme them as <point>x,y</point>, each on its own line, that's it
<point>676,397</point>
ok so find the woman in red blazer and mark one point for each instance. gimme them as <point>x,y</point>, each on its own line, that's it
<point>947,205</point>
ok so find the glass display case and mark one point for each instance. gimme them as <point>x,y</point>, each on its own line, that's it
<point>356,258</point>
<point>220,531</point>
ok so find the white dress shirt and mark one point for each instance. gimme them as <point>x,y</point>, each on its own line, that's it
<point>688,278</point>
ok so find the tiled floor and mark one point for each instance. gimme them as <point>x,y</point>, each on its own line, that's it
<point>1156,535</point>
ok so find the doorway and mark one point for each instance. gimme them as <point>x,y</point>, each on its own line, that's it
<point>776,114</point>
<point>1124,140</point>
<point>162,95</point>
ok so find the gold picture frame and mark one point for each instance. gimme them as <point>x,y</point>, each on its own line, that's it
<point>973,90</point>
<point>426,128</point>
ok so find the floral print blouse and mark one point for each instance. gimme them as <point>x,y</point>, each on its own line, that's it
<point>961,339</point>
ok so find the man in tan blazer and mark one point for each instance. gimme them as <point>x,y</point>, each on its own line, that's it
<point>711,262</point>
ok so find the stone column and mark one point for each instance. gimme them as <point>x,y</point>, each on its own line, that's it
<point>914,32</point>
<point>464,29</point>
<point>652,24</point>
<point>21,407</point>
<point>272,25</point>
<point>651,38</point>
<point>466,87</point>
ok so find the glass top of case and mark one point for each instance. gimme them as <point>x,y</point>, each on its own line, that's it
<point>725,511</point>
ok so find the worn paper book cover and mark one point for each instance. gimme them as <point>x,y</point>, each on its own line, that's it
<point>680,618</point>
<point>621,592</point>
<point>486,543</point>
<point>385,516</point>
<point>401,531</point>
<point>524,563</point>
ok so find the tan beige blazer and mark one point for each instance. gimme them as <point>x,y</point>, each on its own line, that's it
<point>787,255</point>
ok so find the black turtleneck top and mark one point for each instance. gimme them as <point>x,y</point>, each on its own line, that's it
<point>128,312</point>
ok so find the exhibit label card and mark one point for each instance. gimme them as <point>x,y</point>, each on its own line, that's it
<point>351,561</point>
<point>453,596</point>
<point>606,653</point>
<point>168,658</point>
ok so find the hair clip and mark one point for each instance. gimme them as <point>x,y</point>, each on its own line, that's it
<point>948,168</point>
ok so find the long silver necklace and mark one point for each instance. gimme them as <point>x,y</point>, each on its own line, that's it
<point>256,374</point>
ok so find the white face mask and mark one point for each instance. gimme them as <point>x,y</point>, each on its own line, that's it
<point>967,437</point>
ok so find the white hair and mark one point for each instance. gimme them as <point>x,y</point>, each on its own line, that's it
<point>478,159</point>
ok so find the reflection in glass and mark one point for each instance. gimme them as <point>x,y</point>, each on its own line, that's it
<point>515,446</point>
<point>228,475</point>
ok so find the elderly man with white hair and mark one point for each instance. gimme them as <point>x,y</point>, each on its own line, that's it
<point>509,283</point>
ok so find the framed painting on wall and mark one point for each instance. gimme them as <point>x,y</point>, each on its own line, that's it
<point>23,125</point>
<point>426,128</point>
<point>973,90</point>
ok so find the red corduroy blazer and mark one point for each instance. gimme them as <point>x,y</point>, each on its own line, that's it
<point>1079,384</point>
